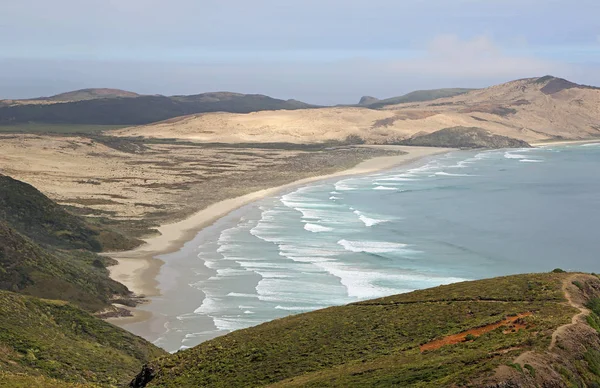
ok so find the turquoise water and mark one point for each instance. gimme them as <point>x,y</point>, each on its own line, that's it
<point>460,216</point>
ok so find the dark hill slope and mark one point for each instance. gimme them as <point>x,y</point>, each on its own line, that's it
<point>140,110</point>
<point>378,343</point>
<point>30,212</point>
<point>79,277</point>
<point>46,343</point>
<point>416,96</point>
<point>46,251</point>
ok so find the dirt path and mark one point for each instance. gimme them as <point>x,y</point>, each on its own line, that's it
<point>584,312</point>
<point>512,324</point>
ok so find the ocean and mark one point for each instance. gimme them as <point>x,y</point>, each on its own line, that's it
<point>460,216</point>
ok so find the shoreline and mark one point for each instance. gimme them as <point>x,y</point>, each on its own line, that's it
<point>138,269</point>
<point>564,142</point>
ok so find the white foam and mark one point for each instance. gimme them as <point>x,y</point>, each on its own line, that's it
<point>442,173</point>
<point>385,188</point>
<point>531,161</point>
<point>316,228</point>
<point>398,178</point>
<point>368,221</point>
<point>508,155</point>
<point>334,198</point>
<point>371,246</point>
<point>591,145</point>
<point>241,295</point>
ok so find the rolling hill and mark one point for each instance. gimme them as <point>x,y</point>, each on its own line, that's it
<point>518,331</point>
<point>534,109</point>
<point>90,94</point>
<point>111,107</point>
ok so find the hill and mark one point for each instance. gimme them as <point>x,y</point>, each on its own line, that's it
<point>90,94</point>
<point>525,331</point>
<point>531,110</point>
<point>46,251</point>
<point>103,108</point>
<point>47,343</point>
<point>416,96</point>
<point>33,214</point>
<point>79,277</point>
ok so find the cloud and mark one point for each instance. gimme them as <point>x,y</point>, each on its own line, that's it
<point>479,57</point>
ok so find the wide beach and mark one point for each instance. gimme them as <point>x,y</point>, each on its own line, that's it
<point>138,269</point>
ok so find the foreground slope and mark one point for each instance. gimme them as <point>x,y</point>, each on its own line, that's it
<point>460,334</point>
<point>46,343</point>
<point>532,109</point>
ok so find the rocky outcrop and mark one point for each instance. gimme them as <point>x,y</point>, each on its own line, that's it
<point>367,100</point>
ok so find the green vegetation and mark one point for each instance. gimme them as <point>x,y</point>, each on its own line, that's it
<point>594,318</point>
<point>464,137</point>
<point>377,343</point>
<point>140,110</point>
<point>578,284</point>
<point>42,340</point>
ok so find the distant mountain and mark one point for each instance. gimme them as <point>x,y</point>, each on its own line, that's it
<point>109,107</point>
<point>90,94</point>
<point>518,331</point>
<point>416,96</point>
<point>49,343</point>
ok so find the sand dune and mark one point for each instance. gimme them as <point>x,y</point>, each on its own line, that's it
<point>534,109</point>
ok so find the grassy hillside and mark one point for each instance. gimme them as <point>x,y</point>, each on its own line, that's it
<point>46,251</point>
<point>385,342</point>
<point>139,110</point>
<point>33,214</point>
<point>46,343</point>
<point>78,276</point>
<point>416,96</point>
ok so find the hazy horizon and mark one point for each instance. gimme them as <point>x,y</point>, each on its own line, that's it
<point>328,52</point>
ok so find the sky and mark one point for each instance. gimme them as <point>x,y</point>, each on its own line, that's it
<point>318,51</point>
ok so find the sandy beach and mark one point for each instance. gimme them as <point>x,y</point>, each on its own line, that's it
<point>138,269</point>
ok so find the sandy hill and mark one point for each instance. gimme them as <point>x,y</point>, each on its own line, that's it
<point>529,109</point>
<point>518,331</point>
